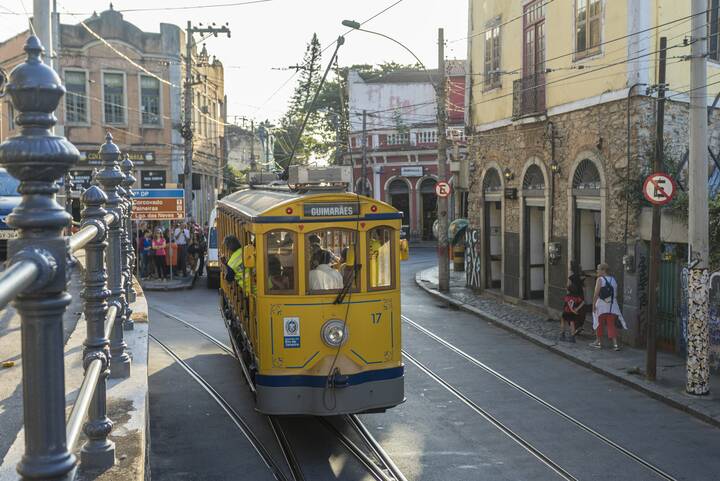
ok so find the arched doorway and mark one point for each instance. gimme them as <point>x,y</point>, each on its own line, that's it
<point>428,207</point>
<point>533,233</point>
<point>398,195</point>
<point>492,208</point>
<point>586,218</point>
<point>368,187</point>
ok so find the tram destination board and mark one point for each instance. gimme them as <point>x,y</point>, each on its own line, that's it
<point>158,204</point>
<point>340,209</point>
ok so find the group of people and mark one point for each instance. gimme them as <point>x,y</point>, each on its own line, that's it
<point>606,314</point>
<point>165,250</point>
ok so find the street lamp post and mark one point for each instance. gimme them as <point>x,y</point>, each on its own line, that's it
<point>443,258</point>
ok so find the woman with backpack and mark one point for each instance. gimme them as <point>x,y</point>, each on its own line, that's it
<point>606,311</point>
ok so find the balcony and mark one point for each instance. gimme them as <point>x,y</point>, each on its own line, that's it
<point>528,96</point>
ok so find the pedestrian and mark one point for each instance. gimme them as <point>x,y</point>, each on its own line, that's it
<point>606,311</point>
<point>197,248</point>
<point>145,254</point>
<point>181,236</point>
<point>573,311</point>
<point>158,246</point>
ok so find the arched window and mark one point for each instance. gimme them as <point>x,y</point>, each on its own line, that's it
<point>428,186</point>
<point>534,180</point>
<point>492,182</point>
<point>398,187</point>
<point>586,178</point>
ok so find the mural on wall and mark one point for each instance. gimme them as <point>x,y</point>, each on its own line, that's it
<point>472,258</point>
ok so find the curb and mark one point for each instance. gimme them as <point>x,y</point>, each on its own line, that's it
<point>181,287</point>
<point>553,347</point>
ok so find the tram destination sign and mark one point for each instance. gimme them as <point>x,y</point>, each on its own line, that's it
<point>158,204</point>
<point>339,209</point>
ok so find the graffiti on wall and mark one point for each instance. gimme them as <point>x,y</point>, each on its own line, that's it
<point>472,258</point>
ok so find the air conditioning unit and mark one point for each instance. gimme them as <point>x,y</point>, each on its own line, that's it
<point>304,175</point>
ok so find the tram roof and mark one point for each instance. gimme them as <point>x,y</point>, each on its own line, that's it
<point>254,202</point>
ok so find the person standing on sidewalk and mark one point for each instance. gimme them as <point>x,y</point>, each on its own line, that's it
<point>606,311</point>
<point>181,235</point>
<point>573,311</point>
<point>158,247</point>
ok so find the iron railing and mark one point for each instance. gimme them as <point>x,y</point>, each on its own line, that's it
<point>38,270</point>
<point>528,96</point>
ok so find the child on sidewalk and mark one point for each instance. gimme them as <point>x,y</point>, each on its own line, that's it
<point>573,311</point>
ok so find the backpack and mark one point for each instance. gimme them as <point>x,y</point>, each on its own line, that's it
<point>607,292</point>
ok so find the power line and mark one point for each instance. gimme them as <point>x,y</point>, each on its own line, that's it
<point>187,7</point>
<point>499,25</point>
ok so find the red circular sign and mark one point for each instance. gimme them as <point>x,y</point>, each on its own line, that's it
<point>442,189</point>
<point>659,188</point>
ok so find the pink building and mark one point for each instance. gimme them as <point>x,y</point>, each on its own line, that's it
<point>401,126</point>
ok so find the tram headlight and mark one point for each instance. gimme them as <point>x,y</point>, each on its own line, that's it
<point>334,333</point>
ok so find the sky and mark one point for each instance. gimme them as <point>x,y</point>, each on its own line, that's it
<point>273,34</point>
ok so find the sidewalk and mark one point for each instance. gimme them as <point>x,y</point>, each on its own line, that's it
<point>625,366</point>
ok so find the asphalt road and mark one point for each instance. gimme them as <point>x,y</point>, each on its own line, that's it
<point>495,433</point>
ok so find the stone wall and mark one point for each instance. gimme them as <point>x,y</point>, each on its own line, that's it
<point>599,133</point>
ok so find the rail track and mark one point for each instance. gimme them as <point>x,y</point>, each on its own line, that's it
<point>551,407</point>
<point>374,458</point>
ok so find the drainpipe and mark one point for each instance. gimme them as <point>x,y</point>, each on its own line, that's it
<point>627,195</point>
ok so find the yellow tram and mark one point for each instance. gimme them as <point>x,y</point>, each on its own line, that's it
<point>315,312</point>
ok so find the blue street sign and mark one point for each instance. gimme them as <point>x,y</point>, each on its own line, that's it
<point>159,193</point>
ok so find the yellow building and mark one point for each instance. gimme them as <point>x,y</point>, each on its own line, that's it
<point>561,110</point>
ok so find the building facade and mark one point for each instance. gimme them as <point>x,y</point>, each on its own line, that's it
<point>401,132</point>
<point>140,107</point>
<point>562,126</point>
<point>248,149</point>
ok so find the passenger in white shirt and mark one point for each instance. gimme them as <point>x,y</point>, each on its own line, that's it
<point>323,277</point>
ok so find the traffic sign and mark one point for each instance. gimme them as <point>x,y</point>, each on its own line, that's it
<point>442,189</point>
<point>158,204</point>
<point>659,188</point>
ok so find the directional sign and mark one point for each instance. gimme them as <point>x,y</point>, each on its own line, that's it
<point>442,189</point>
<point>659,188</point>
<point>158,204</point>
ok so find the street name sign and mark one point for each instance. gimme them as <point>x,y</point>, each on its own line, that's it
<point>158,204</point>
<point>659,188</point>
<point>442,189</point>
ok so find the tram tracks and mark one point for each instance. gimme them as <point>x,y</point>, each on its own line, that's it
<point>378,464</point>
<point>509,432</point>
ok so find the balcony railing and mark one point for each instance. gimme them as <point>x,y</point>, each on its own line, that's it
<point>529,96</point>
<point>38,270</point>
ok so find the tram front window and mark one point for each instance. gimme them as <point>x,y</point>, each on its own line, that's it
<point>326,254</point>
<point>281,262</point>
<point>380,255</point>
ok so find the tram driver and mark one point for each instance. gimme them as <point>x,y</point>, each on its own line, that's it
<point>322,276</point>
<point>234,268</point>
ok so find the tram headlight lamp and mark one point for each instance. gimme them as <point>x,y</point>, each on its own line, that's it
<point>334,333</point>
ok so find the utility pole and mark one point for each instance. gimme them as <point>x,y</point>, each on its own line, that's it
<point>442,202</point>
<point>698,371</point>
<point>253,164</point>
<point>363,170</point>
<point>658,166</point>
<point>187,130</point>
<point>43,28</point>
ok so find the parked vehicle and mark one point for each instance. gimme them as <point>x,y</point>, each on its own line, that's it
<point>9,199</point>
<point>213,267</point>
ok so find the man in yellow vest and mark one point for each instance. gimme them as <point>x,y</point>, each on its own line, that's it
<point>234,268</point>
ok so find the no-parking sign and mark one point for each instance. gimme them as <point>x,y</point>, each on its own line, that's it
<point>442,189</point>
<point>659,188</point>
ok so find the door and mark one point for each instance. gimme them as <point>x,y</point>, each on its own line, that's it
<point>493,241</point>
<point>535,252</point>
<point>429,207</point>
<point>587,244</point>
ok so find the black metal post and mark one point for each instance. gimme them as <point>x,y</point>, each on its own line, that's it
<point>38,159</point>
<point>110,177</point>
<point>98,452</point>
<point>129,256</point>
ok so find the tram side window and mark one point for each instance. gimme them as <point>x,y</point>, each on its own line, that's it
<point>281,262</point>
<point>326,254</point>
<point>380,258</point>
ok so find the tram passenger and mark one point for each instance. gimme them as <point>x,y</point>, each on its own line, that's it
<point>322,276</point>
<point>277,279</point>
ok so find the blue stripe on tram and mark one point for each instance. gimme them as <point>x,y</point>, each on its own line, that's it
<point>320,381</point>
